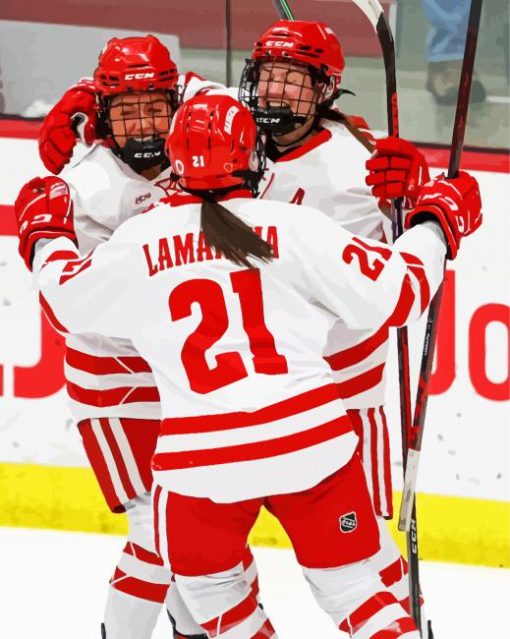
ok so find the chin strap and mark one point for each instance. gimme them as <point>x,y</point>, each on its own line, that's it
<point>142,154</point>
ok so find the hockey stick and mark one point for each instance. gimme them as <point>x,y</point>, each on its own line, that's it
<point>374,12</point>
<point>459,130</point>
<point>228,28</point>
<point>283,9</point>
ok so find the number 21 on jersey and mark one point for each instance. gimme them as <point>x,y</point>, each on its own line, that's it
<point>208,294</point>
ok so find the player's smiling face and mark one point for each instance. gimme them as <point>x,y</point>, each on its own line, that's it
<point>139,114</point>
<point>286,84</point>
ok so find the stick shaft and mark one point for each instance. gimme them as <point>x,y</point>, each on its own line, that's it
<point>459,130</point>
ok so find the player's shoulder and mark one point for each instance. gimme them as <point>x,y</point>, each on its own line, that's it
<point>193,84</point>
<point>99,178</point>
<point>284,214</point>
<point>99,169</point>
<point>342,140</point>
<point>170,214</point>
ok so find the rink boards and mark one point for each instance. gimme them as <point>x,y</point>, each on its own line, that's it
<point>464,483</point>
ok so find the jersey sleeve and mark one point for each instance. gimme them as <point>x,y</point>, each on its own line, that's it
<point>194,84</point>
<point>369,284</point>
<point>90,294</point>
<point>350,201</point>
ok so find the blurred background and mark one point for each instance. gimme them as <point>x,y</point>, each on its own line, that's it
<point>46,47</point>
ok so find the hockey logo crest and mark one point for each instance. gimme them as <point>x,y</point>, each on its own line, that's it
<point>348,522</point>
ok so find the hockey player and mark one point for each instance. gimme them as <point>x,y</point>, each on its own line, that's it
<point>317,158</point>
<point>124,112</point>
<point>232,322</point>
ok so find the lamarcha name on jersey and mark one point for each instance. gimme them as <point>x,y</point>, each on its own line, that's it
<point>167,252</point>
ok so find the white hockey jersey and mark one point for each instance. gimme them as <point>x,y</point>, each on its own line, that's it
<point>249,405</point>
<point>106,377</point>
<point>328,173</point>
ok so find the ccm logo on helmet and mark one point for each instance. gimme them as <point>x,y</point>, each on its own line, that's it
<point>284,44</point>
<point>268,120</point>
<point>229,118</point>
<point>139,76</point>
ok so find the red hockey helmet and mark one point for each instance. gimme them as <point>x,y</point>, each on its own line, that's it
<point>212,143</point>
<point>311,43</point>
<point>134,64</point>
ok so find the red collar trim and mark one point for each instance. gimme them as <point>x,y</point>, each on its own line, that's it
<point>180,198</point>
<point>319,138</point>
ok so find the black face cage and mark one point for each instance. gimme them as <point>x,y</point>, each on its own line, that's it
<point>146,148</point>
<point>279,119</point>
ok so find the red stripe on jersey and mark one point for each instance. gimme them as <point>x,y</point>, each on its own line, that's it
<point>98,463</point>
<point>106,365</point>
<point>404,304</point>
<point>68,272</point>
<point>399,628</point>
<point>266,631</point>
<point>117,456</point>
<point>225,421</point>
<point>142,554</point>
<point>394,572</point>
<point>230,618</point>
<point>366,611</point>
<point>359,352</point>
<point>253,450</point>
<point>374,458</point>
<point>112,396</point>
<point>312,143</point>
<point>361,383</point>
<point>387,465</point>
<point>416,267</point>
<point>139,588</point>
<point>51,315</point>
<point>61,255</point>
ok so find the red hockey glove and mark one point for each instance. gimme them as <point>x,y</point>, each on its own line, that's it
<point>76,109</point>
<point>43,209</point>
<point>396,169</point>
<point>454,203</point>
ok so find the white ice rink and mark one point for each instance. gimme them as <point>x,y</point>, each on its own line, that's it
<point>52,586</point>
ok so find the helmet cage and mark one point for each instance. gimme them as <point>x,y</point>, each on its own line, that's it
<point>143,151</point>
<point>279,120</point>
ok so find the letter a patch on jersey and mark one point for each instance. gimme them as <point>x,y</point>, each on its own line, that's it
<point>348,522</point>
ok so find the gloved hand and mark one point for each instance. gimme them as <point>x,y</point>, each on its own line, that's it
<point>74,116</point>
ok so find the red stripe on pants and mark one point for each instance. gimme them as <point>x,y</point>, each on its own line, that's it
<point>155,507</point>
<point>374,459</point>
<point>117,456</point>
<point>98,463</point>
<point>387,466</point>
